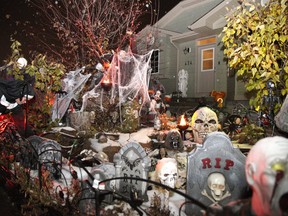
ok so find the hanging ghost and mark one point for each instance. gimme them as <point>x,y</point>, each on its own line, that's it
<point>183,82</point>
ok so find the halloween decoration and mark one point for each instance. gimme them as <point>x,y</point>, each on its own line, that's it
<point>73,83</point>
<point>167,171</point>
<point>183,82</point>
<point>173,143</point>
<point>183,125</point>
<point>267,174</point>
<point>217,185</point>
<point>106,84</point>
<point>281,119</point>
<point>215,173</point>
<point>203,122</point>
<point>218,97</point>
<point>13,94</point>
<point>156,105</point>
<point>132,161</point>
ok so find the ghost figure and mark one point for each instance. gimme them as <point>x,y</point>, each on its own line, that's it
<point>267,174</point>
<point>216,183</point>
<point>167,172</point>
<point>203,122</point>
<point>183,82</point>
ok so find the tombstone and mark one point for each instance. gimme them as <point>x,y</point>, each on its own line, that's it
<point>43,152</point>
<point>132,161</point>
<point>101,172</point>
<point>29,152</point>
<point>215,173</point>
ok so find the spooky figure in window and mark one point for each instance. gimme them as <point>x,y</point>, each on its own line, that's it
<point>13,94</point>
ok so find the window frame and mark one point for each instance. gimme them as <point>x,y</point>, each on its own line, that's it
<point>207,59</point>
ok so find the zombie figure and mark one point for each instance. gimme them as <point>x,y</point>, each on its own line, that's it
<point>267,174</point>
<point>157,105</point>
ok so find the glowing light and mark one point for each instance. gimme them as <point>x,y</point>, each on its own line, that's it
<point>21,62</point>
<point>106,84</point>
<point>183,122</point>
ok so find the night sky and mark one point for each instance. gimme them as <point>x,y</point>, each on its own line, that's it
<point>15,13</point>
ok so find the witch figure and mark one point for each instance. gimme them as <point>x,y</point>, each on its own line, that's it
<point>13,94</point>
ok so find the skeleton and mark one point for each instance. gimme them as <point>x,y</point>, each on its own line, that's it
<point>216,184</point>
<point>167,173</point>
<point>204,121</point>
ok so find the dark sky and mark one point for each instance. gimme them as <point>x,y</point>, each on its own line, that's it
<point>13,12</point>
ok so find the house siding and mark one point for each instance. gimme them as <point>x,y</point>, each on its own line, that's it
<point>180,29</point>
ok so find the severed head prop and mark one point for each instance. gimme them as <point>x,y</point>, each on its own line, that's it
<point>204,121</point>
<point>167,172</point>
<point>267,174</point>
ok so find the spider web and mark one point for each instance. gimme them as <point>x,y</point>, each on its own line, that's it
<point>72,84</point>
<point>130,76</point>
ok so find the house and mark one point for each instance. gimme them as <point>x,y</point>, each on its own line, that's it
<point>188,38</point>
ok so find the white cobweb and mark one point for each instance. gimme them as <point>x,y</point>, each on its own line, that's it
<point>129,74</point>
<point>72,84</point>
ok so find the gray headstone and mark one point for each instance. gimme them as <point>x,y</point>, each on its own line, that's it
<point>215,173</point>
<point>88,196</point>
<point>50,156</point>
<point>132,161</point>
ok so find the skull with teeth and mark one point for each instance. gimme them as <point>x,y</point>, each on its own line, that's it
<point>167,171</point>
<point>204,121</point>
<point>216,183</point>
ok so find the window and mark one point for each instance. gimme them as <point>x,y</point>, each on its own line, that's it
<point>207,59</point>
<point>206,41</point>
<point>155,58</point>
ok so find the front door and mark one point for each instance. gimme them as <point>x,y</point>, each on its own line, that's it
<point>205,71</point>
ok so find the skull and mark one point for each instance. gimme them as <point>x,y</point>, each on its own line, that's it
<point>167,172</point>
<point>216,183</point>
<point>267,174</point>
<point>204,121</point>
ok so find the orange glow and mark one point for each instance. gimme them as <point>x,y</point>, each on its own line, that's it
<point>106,80</point>
<point>106,65</point>
<point>106,83</point>
<point>183,122</point>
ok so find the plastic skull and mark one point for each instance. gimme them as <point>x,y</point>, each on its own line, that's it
<point>204,121</point>
<point>267,174</point>
<point>167,171</point>
<point>216,183</point>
